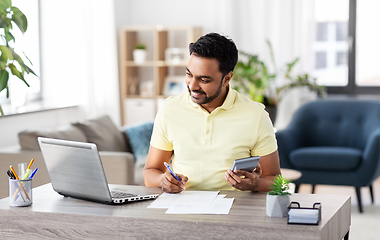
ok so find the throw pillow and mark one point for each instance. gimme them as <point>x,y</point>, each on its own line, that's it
<point>28,139</point>
<point>104,133</point>
<point>139,138</point>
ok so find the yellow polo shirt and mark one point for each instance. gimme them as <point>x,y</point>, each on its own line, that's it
<point>206,144</point>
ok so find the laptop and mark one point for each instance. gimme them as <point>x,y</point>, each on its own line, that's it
<point>76,170</point>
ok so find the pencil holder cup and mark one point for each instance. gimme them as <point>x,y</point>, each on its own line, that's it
<point>20,193</point>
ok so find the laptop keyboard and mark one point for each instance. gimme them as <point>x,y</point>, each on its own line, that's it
<point>115,194</point>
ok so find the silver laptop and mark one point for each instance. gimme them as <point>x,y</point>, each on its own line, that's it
<point>75,170</point>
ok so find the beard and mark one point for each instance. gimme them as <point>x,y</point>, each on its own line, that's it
<point>205,99</point>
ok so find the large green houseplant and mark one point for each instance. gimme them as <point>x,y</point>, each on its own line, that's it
<point>10,61</point>
<point>253,77</point>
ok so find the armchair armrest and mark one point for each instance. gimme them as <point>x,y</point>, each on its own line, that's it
<point>119,167</point>
<point>371,157</point>
<point>288,140</point>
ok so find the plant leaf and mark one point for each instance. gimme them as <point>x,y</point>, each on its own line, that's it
<point>4,76</point>
<point>6,53</point>
<point>28,59</point>
<point>19,18</point>
<point>3,65</point>
<point>5,4</point>
<point>27,69</point>
<point>1,111</point>
<point>8,35</point>
<point>17,73</point>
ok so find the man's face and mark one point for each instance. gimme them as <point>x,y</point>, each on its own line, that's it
<point>204,80</point>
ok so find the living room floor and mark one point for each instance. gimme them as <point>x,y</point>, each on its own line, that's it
<point>347,190</point>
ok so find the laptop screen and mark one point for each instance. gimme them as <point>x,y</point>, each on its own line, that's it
<point>75,169</point>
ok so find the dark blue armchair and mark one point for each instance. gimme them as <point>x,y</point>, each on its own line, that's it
<point>334,143</point>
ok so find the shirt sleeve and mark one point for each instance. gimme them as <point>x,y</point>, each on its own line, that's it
<point>266,138</point>
<point>159,137</point>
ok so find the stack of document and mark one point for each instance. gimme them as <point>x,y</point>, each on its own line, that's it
<point>193,202</point>
<point>305,216</point>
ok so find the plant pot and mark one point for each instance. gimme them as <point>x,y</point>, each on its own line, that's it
<point>139,56</point>
<point>277,205</point>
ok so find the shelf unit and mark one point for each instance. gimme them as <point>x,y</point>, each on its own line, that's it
<point>145,82</point>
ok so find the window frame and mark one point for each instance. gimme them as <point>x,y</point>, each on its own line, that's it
<point>352,88</point>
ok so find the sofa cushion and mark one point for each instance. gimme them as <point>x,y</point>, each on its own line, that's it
<point>139,138</point>
<point>28,139</point>
<point>326,158</point>
<point>104,133</point>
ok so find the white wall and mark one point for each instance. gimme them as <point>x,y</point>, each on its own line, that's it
<point>79,46</point>
<point>248,22</point>
<point>79,66</point>
<point>79,55</point>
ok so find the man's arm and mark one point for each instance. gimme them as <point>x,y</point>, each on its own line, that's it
<point>156,174</point>
<point>260,179</point>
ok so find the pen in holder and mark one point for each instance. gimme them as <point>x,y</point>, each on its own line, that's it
<point>20,192</point>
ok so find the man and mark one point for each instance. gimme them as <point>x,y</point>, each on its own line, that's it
<point>205,130</point>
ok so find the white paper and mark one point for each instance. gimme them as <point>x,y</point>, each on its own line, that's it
<point>303,215</point>
<point>166,200</point>
<point>193,202</point>
<point>220,205</point>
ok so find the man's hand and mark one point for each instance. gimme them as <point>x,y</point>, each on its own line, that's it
<point>171,185</point>
<point>248,182</point>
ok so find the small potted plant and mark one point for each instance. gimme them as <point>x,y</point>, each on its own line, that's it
<point>278,199</point>
<point>139,53</point>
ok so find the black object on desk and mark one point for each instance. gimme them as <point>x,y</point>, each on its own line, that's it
<point>302,215</point>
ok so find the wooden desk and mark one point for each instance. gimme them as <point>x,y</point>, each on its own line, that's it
<point>53,216</point>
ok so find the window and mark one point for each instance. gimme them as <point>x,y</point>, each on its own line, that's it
<point>330,45</point>
<point>346,45</point>
<point>29,44</point>
<point>367,43</point>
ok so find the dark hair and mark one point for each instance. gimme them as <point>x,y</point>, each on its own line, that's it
<point>214,45</point>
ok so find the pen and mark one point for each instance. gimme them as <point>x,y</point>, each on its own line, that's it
<point>175,176</point>
<point>14,173</point>
<point>11,176</point>
<point>34,172</point>
<point>28,169</point>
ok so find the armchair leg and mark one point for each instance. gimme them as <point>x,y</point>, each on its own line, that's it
<point>371,192</point>
<point>297,188</point>
<point>359,199</point>
<point>313,189</point>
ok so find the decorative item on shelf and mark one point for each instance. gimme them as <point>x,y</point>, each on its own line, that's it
<point>174,85</point>
<point>278,199</point>
<point>175,55</point>
<point>133,85</point>
<point>147,88</point>
<point>254,79</point>
<point>139,53</point>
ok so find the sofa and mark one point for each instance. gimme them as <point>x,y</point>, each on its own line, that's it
<point>123,151</point>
